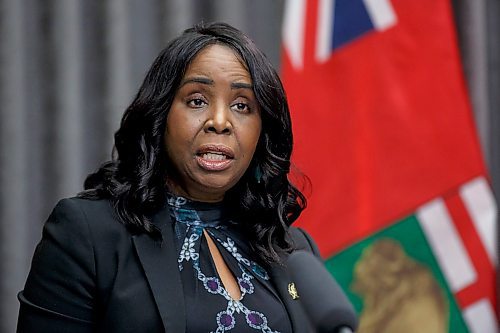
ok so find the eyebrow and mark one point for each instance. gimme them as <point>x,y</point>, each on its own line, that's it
<point>203,80</point>
<point>239,85</point>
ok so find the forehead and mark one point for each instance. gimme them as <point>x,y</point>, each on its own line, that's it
<point>215,58</point>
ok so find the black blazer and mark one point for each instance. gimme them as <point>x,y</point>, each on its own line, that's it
<point>90,274</point>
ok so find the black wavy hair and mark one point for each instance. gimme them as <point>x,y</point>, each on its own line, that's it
<point>135,179</point>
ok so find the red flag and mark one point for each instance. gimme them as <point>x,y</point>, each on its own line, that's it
<point>383,126</point>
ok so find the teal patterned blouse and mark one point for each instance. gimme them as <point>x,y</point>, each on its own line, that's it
<point>209,307</point>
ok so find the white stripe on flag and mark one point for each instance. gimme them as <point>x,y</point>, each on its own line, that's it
<point>294,30</point>
<point>446,244</point>
<point>381,12</point>
<point>480,317</point>
<point>324,36</point>
<point>480,204</point>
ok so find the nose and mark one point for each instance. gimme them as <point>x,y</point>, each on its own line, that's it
<point>219,121</point>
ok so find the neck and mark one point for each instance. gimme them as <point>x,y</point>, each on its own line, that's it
<point>178,190</point>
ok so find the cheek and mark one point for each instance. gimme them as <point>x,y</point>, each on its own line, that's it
<point>257,131</point>
<point>180,130</point>
<point>174,141</point>
<point>252,136</point>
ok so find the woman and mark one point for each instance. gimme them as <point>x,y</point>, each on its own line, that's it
<point>186,229</point>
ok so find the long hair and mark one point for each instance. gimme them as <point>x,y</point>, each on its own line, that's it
<point>135,179</point>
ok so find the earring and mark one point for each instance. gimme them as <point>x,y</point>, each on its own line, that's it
<point>257,173</point>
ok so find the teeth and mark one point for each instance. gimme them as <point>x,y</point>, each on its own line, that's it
<point>213,157</point>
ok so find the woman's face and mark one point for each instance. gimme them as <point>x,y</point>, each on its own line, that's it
<point>213,125</point>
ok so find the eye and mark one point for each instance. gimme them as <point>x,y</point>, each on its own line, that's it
<point>196,103</point>
<point>241,107</point>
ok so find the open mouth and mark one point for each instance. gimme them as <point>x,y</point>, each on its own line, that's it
<point>214,157</point>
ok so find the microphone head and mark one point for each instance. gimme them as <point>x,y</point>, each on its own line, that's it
<point>323,300</point>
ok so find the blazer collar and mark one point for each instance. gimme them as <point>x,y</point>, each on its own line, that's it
<point>159,261</point>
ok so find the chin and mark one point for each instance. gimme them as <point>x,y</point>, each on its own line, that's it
<point>215,185</point>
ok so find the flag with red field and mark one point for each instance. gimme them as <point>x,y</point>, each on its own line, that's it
<point>401,205</point>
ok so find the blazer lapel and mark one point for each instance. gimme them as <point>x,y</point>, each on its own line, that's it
<point>298,317</point>
<point>159,261</point>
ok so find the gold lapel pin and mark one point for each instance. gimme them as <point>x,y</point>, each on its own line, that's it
<point>293,291</point>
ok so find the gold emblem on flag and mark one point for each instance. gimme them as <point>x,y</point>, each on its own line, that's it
<point>293,291</point>
<point>386,277</point>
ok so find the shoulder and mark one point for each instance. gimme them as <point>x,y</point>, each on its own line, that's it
<point>96,215</point>
<point>66,251</point>
<point>93,223</point>
<point>303,241</point>
<point>80,208</point>
<point>76,224</point>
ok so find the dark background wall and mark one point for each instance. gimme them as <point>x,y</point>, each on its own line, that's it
<point>68,69</point>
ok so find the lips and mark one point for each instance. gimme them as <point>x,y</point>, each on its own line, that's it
<point>214,157</point>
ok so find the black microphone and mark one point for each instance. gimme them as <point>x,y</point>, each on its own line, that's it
<point>323,300</point>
